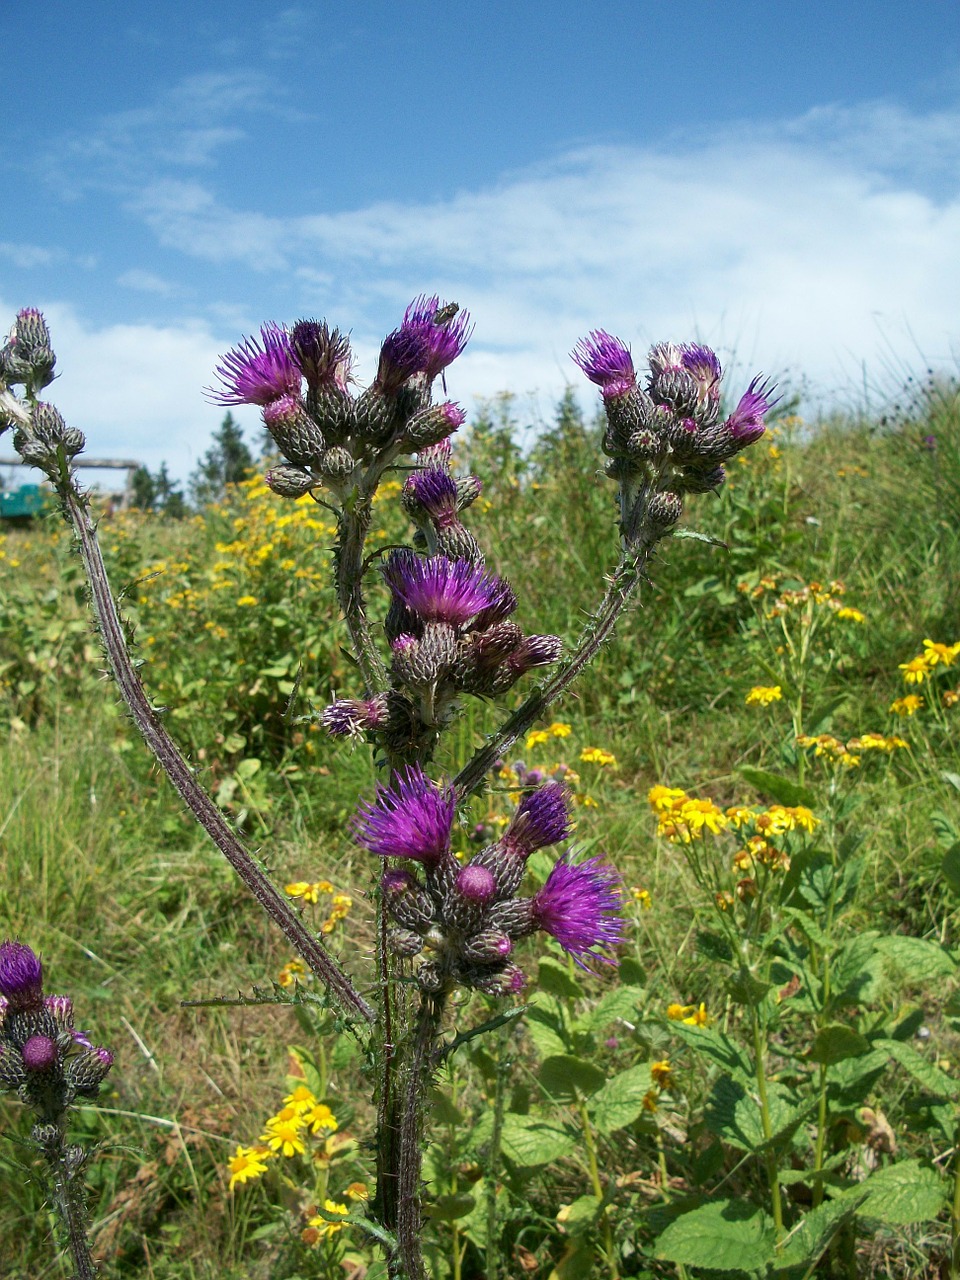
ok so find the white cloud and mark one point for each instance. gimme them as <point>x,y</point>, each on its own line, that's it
<point>145,282</point>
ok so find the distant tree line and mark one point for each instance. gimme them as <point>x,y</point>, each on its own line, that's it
<point>227,461</point>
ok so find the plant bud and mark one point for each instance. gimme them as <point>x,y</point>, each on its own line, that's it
<point>432,425</point>
<point>12,1071</point>
<point>430,977</point>
<point>420,663</point>
<point>86,1070</point>
<point>663,511</point>
<point>335,464</point>
<point>289,481</point>
<point>29,355</point>
<point>458,543</point>
<point>469,489</point>
<point>508,981</point>
<point>487,947</point>
<point>404,943</point>
<point>39,1053</point>
<point>297,436</point>
<point>406,900</point>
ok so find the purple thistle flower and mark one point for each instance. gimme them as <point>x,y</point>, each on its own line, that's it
<point>256,374</point>
<point>411,819</point>
<point>580,906</point>
<point>542,818</point>
<point>323,354</point>
<point>437,589</point>
<point>702,363</point>
<point>745,424</point>
<point>21,977</point>
<point>606,361</point>
<point>534,651</point>
<point>445,339</point>
<point>349,717</point>
<point>476,883</point>
<point>435,490</point>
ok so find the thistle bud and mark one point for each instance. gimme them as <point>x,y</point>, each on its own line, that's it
<point>487,947</point>
<point>39,1053</point>
<point>295,433</point>
<point>403,942</point>
<point>420,663</point>
<point>335,464</point>
<point>289,481</point>
<point>29,355</point>
<point>508,981</point>
<point>663,511</point>
<point>431,425</point>
<point>86,1069</point>
<point>406,900</point>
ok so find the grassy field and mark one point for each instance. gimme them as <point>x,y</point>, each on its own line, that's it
<point>841,558</point>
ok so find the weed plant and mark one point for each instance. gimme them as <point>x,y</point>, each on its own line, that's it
<point>770,1086</point>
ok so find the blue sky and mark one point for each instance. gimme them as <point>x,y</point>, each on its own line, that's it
<point>779,179</point>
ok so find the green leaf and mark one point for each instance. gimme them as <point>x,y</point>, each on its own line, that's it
<point>727,1235</point>
<point>777,787</point>
<point>816,1229</point>
<point>904,1192</point>
<point>952,778</point>
<point>544,1027</point>
<point>555,978</point>
<point>926,1074</point>
<point>734,1115</point>
<point>449,1208</point>
<point>713,945</point>
<point>700,537</point>
<point>744,988</point>
<point>529,1141</point>
<point>620,1101</point>
<point>567,1079</point>
<point>580,1215</point>
<point>620,1003</point>
<point>950,868</point>
<point>854,968</point>
<point>836,1042</point>
<point>714,1045</point>
<point>578,1262</point>
<point>916,959</point>
<point>247,768</point>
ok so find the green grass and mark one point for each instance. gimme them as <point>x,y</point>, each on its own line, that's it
<point>134,912</point>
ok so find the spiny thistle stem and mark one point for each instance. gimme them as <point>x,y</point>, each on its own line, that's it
<point>626,578</point>
<point>181,775</point>
<point>69,1196</point>
<point>354,524</point>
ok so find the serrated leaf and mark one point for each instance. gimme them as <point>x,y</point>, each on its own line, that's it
<point>854,968</point>
<point>917,959</point>
<point>950,867</point>
<point>620,1003</point>
<point>565,1078</point>
<point>726,1235</point>
<point>579,1215</point>
<point>620,1101</point>
<point>544,1027</point>
<point>578,1262</point>
<point>777,787</point>
<point>744,988</point>
<point>837,1042</point>
<point>449,1208</point>
<point>952,778</point>
<point>529,1141</point>
<point>734,1115</point>
<point>714,1045</point>
<point>555,978</point>
<point>810,1237</point>
<point>713,945</point>
<point>926,1074</point>
<point>904,1192</point>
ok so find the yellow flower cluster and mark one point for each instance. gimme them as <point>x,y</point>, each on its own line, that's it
<point>907,705</point>
<point>662,1075</point>
<point>691,1014</point>
<point>848,753</point>
<point>537,737</point>
<point>596,755</point>
<point>283,1135</point>
<point>934,654</point>
<point>642,896</point>
<point>762,695</point>
<point>310,891</point>
<point>792,599</point>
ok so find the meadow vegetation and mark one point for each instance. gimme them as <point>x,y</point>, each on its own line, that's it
<point>768,753</point>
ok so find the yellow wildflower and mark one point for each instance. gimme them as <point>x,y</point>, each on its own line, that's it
<point>906,706</point>
<point>943,653</point>
<point>537,738</point>
<point>950,697</point>
<point>319,1228</point>
<point>357,1191</point>
<point>559,730</point>
<point>846,614</point>
<point>675,1012</point>
<point>724,900</point>
<point>661,1074</point>
<point>596,755</point>
<point>247,600</point>
<point>916,670</point>
<point>283,1136</point>
<point>698,1016</point>
<point>651,1100</point>
<point>665,799</point>
<point>319,1116</point>
<point>762,695</point>
<point>301,1099</point>
<point>246,1163</point>
<point>309,891</point>
<point>292,970</point>
<point>739,815</point>
<point>643,897</point>
<point>698,815</point>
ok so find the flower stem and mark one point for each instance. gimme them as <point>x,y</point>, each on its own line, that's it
<point>773,1176</point>
<point>353,526</point>
<point>626,578</point>
<point>168,756</point>
<point>69,1197</point>
<point>955,1215</point>
<point>590,1143</point>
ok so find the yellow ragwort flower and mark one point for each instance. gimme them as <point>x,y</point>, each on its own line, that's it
<point>665,799</point>
<point>908,705</point>
<point>950,697</point>
<point>357,1191</point>
<point>676,1012</point>
<point>596,755</point>
<point>247,1163</point>
<point>559,730</point>
<point>318,1117</point>
<point>661,1073</point>
<point>846,614</point>
<point>940,653</point>
<point>319,1228</point>
<point>537,738</point>
<point>292,970</point>
<point>700,815</point>
<point>762,695</point>
<point>301,1099</point>
<point>643,897</point>
<point>916,670</point>
<point>282,1133</point>
<point>247,601</point>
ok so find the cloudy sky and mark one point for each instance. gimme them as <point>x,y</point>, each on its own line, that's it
<point>779,179</point>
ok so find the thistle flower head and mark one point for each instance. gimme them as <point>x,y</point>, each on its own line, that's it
<point>426,342</point>
<point>606,361</point>
<point>323,354</point>
<point>745,424</point>
<point>437,589</point>
<point>664,358</point>
<point>21,976</point>
<point>702,364</point>
<point>580,906</point>
<point>476,883</point>
<point>39,1053</point>
<point>349,717</point>
<point>541,819</point>
<point>435,491</point>
<point>257,372</point>
<point>412,818</point>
